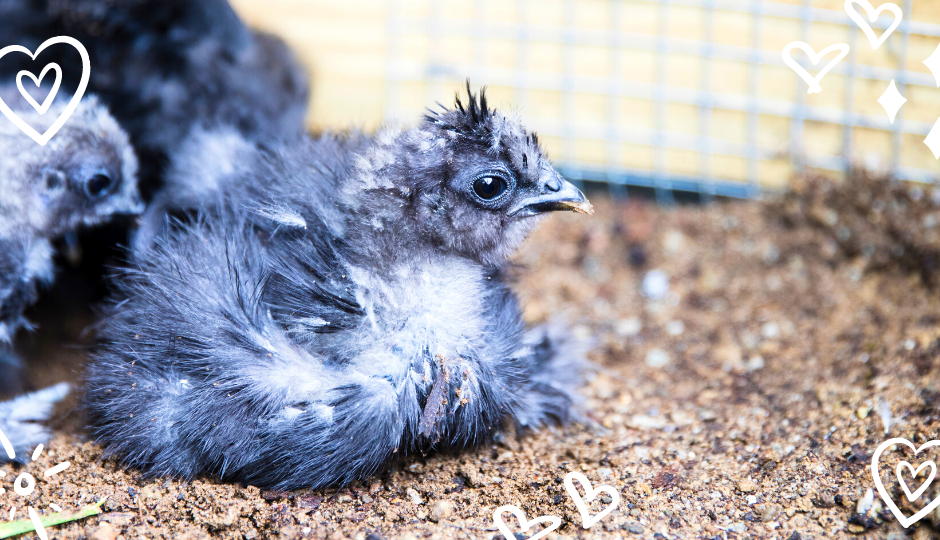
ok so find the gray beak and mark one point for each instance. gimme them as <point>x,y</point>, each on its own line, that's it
<point>556,194</point>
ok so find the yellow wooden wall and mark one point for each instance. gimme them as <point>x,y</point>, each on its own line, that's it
<point>369,62</point>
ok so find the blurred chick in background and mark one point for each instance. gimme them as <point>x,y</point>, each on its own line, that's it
<point>165,66</point>
<point>344,302</point>
<point>84,176</point>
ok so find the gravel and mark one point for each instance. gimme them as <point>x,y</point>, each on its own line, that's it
<point>810,335</point>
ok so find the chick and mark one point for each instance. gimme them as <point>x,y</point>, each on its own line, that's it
<point>165,66</point>
<point>83,176</point>
<point>345,303</point>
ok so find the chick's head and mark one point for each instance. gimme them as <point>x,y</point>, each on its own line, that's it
<point>472,180</point>
<point>84,175</point>
<point>87,173</point>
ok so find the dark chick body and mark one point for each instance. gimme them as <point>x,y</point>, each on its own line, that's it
<point>341,304</point>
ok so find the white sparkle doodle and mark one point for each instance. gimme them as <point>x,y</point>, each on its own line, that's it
<point>25,484</point>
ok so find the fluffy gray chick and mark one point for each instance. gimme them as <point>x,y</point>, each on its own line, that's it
<point>345,303</point>
<point>82,177</point>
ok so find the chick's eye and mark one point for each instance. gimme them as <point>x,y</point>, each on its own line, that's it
<point>99,185</point>
<point>489,187</point>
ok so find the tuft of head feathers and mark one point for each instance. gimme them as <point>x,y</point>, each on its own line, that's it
<point>470,120</point>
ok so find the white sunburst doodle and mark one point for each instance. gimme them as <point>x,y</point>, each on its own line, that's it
<point>25,483</point>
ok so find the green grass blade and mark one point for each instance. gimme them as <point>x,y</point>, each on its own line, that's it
<point>14,528</point>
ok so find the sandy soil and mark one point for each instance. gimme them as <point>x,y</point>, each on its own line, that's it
<point>795,337</point>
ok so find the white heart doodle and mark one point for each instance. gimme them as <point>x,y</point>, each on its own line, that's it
<point>72,104</point>
<point>876,476</point>
<point>41,109</point>
<point>923,487</point>
<point>813,82</point>
<point>525,525</point>
<point>590,494</point>
<point>873,16</point>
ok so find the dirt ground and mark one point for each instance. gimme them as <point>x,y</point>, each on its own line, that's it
<point>746,401</point>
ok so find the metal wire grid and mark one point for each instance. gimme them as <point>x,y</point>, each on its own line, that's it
<point>614,87</point>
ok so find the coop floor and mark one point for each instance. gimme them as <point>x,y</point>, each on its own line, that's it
<point>746,404</point>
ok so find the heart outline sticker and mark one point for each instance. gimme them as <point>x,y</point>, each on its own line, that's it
<point>879,485</point>
<point>525,525</point>
<point>813,82</point>
<point>72,104</point>
<point>41,109</point>
<point>926,483</point>
<point>591,492</point>
<point>873,15</point>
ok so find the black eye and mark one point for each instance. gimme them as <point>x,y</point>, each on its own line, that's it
<point>99,185</point>
<point>489,187</point>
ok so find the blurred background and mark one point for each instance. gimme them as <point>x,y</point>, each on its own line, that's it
<point>670,97</point>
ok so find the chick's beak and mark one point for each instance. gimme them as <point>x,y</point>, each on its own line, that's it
<point>556,194</point>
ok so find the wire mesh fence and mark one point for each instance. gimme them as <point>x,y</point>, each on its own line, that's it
<point>672,95</point>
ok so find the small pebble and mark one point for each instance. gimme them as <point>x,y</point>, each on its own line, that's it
<point>855,528</point>
<point>641,421</point>
<point>675,328</point>
<point>770,330</point>
<point>706,415</point>
<point>633,527</point>
<point>415,497</point>
<point>751,500</point>
<point>866,502</point>
<point>655,285</point>
<point>628,327</point>
<point>657,358</point>
<point>769,513</point>
<point>673,242</point>
<point>442,509</point>
<point>747,486</point>
<point>863,411</point>
<point>754,363</point>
